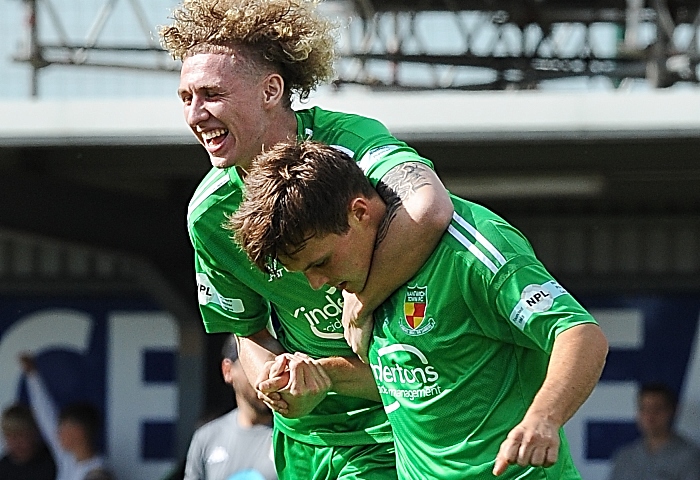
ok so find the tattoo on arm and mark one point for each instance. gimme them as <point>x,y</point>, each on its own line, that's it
<point>404,180</point>
<point>399,184</point>
<point>391,209</point>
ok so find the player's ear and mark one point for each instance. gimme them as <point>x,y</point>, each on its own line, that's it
<point>273,89</point>
<point>358,211</point>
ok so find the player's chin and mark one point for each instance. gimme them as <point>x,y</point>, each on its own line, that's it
<point>220,162</point>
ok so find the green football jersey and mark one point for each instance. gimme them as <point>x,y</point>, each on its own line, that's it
<point>460,351</point>
<point>234,296</point>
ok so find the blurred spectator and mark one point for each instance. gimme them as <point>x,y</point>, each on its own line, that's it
<point>660,453</point>
<point>178,471</point>
<point>237,445</point>
<point>72,435</point>
<point>26,456</point>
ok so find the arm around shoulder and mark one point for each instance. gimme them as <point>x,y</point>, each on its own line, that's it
<point>419,209</point>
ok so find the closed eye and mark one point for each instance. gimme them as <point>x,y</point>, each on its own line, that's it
<point>211,94</point>
<point>318,264</point>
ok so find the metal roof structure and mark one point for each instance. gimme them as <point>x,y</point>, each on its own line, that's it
<point>437,44</point>
<point>521,44</point>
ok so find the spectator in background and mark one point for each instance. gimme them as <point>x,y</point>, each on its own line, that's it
<point>660,453</point>
<point>72,435</point>
<point>237,445</point>
<point>26,456</point>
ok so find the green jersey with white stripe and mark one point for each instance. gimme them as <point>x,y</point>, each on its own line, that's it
<point>460,350</point>
<point>234,296</point>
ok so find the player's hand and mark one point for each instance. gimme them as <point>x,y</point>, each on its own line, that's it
<point>534,441</point>
<point>308,385</point>
<point>273,378</point>
<point>357,326</point>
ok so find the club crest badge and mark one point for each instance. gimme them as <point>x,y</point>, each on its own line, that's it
<point>275,270</point>
<point>414,311</point>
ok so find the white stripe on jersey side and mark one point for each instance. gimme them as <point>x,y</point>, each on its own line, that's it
<point>392,407</point>
<point>479,238</point>
<point>205,194</point>
<point>203,188</point>
<point>472,248</point>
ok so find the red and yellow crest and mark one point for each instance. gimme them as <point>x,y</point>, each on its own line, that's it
<point>414,306</point>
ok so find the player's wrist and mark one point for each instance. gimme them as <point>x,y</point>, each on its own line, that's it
<point>541,415</point>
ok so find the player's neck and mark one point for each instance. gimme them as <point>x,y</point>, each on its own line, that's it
<point>282,128</point>
<point>381,217</point>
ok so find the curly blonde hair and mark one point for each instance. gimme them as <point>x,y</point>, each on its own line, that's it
<point>285,36</point>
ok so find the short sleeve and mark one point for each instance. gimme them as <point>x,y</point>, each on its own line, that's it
<point>537,305</point>
<point>378,161</point>
<point>225,302</point>
<point>513,297</point>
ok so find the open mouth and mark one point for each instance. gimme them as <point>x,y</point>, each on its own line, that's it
<point>214,138</point>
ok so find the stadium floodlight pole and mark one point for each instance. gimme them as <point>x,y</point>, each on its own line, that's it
<point>32,52</point>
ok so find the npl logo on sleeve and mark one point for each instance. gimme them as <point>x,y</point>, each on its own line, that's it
<point>118,354</point>
<point>535,299</point>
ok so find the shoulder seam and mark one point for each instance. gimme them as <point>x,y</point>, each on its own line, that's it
<point>480,242</point>
<point>202,194</point>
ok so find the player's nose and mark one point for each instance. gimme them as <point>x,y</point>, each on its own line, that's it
<point>315,280</point>
<point>195,112</point>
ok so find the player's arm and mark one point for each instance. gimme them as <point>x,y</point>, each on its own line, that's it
<point>295,384</point>
<point>43,407</point>
<point>258,349</point>
<point>257,354</point>
<point>351,377</point>
<point>227,303</point>
<point>267,366</point>
<point>419,210</point>
<point>298,383</point>
<point>575,365</point>
<point>254,351</point>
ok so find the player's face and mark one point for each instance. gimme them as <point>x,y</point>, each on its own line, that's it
<point>224,108</point>
<point>342,261</point>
